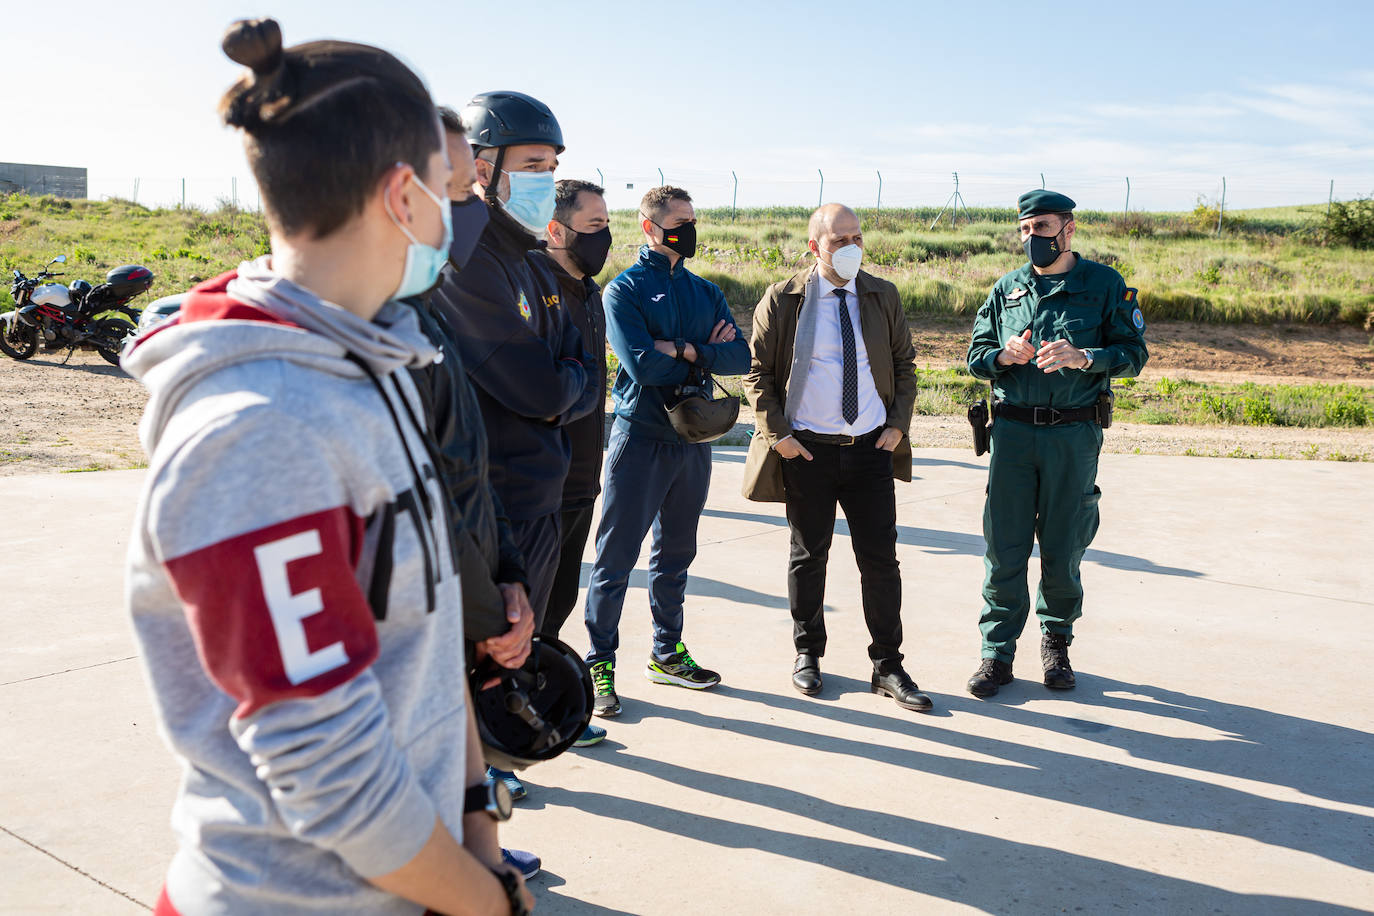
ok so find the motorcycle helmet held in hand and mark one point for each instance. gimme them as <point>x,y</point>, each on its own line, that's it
<point>696,416</point>
<point>534,712</point>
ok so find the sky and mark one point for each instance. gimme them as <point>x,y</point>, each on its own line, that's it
<point>1277,98</point>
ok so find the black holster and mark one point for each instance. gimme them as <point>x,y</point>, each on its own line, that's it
<point>981,421</point>
<point>1105,401</point>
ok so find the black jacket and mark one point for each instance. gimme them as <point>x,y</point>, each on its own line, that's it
<point>486,551</point>
<point>526,361</point>
<point>587,436</point>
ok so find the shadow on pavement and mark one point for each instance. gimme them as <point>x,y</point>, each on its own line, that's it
<point>1315,758</point>
<point>944,862</point>
<point>973,545</point>
<point>1072,779</point>
<point>547,901</point>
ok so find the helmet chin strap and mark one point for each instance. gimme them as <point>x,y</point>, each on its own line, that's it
<point>492,196</point>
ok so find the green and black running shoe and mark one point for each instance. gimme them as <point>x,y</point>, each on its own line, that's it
<point>605,702</point>
<point>680,670</point>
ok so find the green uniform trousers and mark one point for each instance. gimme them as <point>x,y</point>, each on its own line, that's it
<point>1041,486</point>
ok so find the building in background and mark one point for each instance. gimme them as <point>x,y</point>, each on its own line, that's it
<point>59,180</point>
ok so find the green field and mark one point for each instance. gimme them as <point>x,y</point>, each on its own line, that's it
<point>1169,402</point>
<point>1268,265</point>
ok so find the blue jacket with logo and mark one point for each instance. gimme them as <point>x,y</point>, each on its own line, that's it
<point>651,301</point>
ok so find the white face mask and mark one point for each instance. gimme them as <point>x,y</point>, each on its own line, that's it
<point>845,261</point>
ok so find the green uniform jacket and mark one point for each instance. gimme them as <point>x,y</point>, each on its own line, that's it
<point>1091,307</point>
<point>891,357</point>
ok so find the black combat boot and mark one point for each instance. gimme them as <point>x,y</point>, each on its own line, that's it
<point>991,676</point>
<point>1054,656</point>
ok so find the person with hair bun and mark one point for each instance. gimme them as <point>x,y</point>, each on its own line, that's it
<point>292,576</point>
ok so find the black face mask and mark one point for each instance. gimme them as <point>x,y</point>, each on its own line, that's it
<point>1043,250</point>
<point>682,239</point>
<point>469,219</point>
<point>588,250</point>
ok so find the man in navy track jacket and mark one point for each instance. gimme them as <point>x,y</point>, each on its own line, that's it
<point>663,322</point>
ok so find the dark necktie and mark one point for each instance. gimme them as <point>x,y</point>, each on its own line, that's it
<point>849,396</point>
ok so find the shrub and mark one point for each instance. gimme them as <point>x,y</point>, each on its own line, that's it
<point>1351,223</point>
<point>1346,410</point>
<point>1226,409</point>
<point>1259,412</point>
<point>1211,274</point>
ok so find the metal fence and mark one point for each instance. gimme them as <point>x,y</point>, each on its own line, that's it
<point>731,188</point>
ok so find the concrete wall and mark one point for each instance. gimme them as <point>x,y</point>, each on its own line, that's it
<point>63,181</point>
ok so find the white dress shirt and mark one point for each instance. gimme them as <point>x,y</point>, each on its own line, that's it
<point>820,410</point>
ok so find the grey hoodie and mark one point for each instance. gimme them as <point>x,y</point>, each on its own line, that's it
<point>295,598</point>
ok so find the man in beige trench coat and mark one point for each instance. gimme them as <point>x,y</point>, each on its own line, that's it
<point>832,382</point>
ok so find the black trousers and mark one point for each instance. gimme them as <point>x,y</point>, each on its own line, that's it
<point>857,478</point>
<point>538,540</point>
<point>567,579</point>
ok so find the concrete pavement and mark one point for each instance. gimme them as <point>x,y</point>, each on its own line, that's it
<point>1217,755</point>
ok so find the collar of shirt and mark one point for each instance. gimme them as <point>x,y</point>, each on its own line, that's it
<point>826,288</point>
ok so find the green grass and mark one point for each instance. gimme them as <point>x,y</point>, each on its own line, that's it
<point>181,247</point>
<point>1268,265</point>
<point>1166,401</point>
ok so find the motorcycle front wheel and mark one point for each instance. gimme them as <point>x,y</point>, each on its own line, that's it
<point>17,341</point>
<point>109,336</point>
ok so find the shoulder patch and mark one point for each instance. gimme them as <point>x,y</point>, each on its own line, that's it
<point>524,306</point>
<point>1138,320</point>
<point>1016,293</point>
<point>1131,293</point>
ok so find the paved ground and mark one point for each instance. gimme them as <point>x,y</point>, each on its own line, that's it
<point>1216,757</point>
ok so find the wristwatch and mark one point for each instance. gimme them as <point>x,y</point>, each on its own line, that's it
<point>490,796</point>
<point>681,347</point>
<point>511,884</point>
<point>1088,355</point>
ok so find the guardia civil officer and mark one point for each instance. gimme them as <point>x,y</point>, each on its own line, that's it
<point>1050,337</point>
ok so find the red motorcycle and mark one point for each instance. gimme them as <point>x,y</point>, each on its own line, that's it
<point>65,317</point>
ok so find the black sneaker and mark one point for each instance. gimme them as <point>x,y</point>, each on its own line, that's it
<point>990,677</point>
<point>605,702</point>
<point>680,670</point>
<point>1054,656</point>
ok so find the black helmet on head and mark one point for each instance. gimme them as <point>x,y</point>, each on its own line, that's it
<point>504,118</point>
<point>496,120</point>
<point>534,712</point>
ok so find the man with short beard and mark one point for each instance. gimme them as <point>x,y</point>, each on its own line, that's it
<point>579,238</point>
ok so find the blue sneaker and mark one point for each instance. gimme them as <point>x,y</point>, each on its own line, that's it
<point>513,783</point>
<point>527,863</point>
<point>592,734</point>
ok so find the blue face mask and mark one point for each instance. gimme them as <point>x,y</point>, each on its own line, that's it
<point>532,199</point>
<point>423,262</point>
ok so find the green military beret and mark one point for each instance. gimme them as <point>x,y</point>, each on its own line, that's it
<point>1033,203</point>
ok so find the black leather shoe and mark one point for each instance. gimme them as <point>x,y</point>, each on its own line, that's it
<point>901,688</point>
<point>1054,656</point>
<point>991,676</point>
<point>806,674</point>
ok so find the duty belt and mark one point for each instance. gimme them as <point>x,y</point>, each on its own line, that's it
<point>1045,416</point>
<point>806,435</point>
